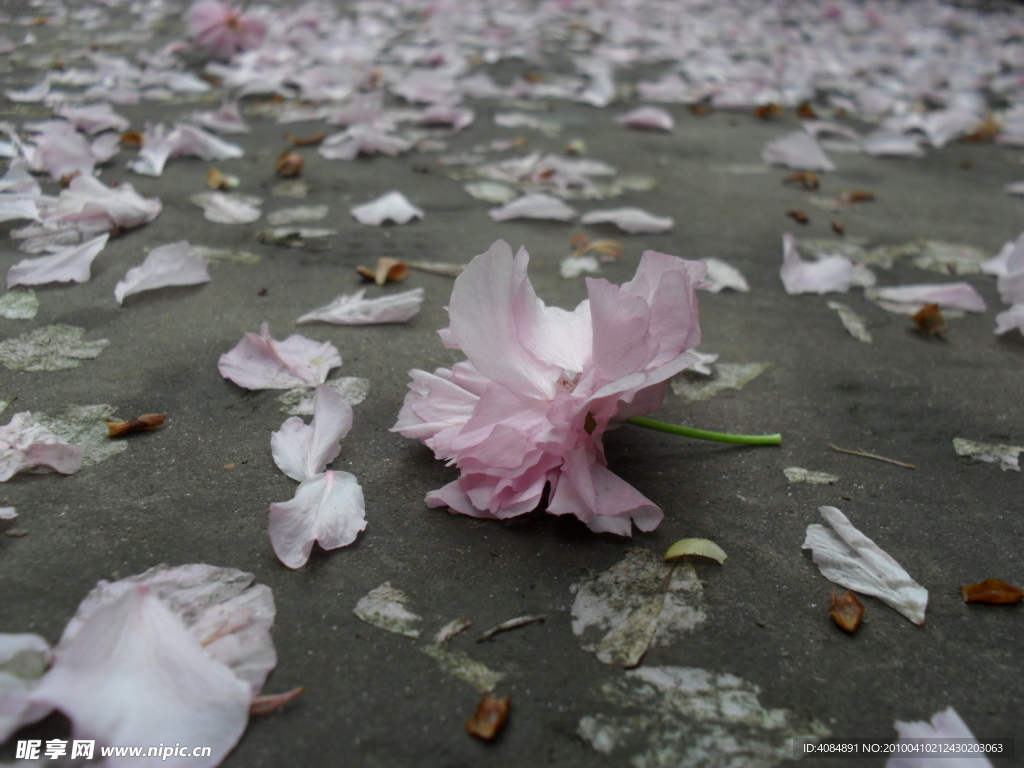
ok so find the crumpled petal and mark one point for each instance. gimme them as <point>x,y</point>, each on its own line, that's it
<point>225,120</point>
<point>908,299</point>
<point>533,206</point>
<point>632,220</point>
<point>222,30</point>
<point>69,265</point>
<point>161,144</point>
<point>393,206</point>
<point>892,144</point>
<point>327,509</point>
<point>22,662</point>
<point>797,150</point>
<point>25,445</point>
<point>849,558</point>
<point>832,274</point>
<point>355,310</point>
<point>165,265</point>
<point>93,118</point>
<point>133,674</point>
<point>228,209</point>
<point>946,724</point>
<point>301,450</point>
<point>363,138</point>
<point>651,118</point>
<point>1010,319</point>
<point>260,362</point>
<point>722,275</point>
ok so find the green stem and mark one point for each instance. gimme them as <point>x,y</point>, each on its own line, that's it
<point>703,434</point>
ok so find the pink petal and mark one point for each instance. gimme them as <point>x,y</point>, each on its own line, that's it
<point>365,139</point>
<point>228,209</point>
<point>161,144</point>
<point>70,265</point>
<point>133,674</point>
<point>533,206</point>
<point>328,509</point>
<point>390,207</point>
<point>26,444</point>
<point>23,660</point>
<point>961,296</point>
<point>651,118</point>
<point>301,451</point>
<point>1010,319</point>
<point>632,220</point>
<point>166,265</point>
<point>93,118</point>
<point>832,274</point>
<point>946,724</point>
<point>355,310</point>
<point>260,362</point>
<point>796,150</point>
<point>226,120</point>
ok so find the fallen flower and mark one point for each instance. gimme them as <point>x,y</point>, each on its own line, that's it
<point>697,547</point>
<point>909,299</point>
<point>489,718</point>
<point>27,445</point>
<point>222,30</point>
<point>165,265</point>
<point>225,120</point>
<point>849,558</point>
<point>365,139</point>
<point>228,208</point>
<point>260,362</point>
<point>846,611</point>
<point>69,265</point>
<point>632,220</point>
<point>1003,455</point>
<point>650,118</point>
<point>929,321</point>
<point>797,150</point>
<point>393,206</point>
<point>533,206</point>
<point>143,423</point>
<point>944,725</point>
<point>992,591</point>
<point>388,270</point>
<point>832,274</point>
<point>355,310</point>
<point>93,118</point>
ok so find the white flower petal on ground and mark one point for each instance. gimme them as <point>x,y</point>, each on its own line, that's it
<point>650,118</point>
<point>365,139</point>
<point>165,265</point>
<point>394,206</point>
<point>8,513</point>
<point>133,674</point>
<point>891,144</point>
<point>946,724</point>
<point>22,663</point>
<point>355,310</point>
<point>260,362</point>
<point>1000,263</point>
<point>797,150</point>
<point>27,445</point>
<point>225,120</point>
<point>533,206</point>
<point>1014,188</point>
<point>574,266</point>
<point>1010,319</point>
<point>722,275</point>
<point>93,118</point>
<point>631,220</point>
<point>161,144</point>
<point>13,207</point>
<point>327,509</point>
<point>849,558</point>
<point>852,322</point>
<point>302,450</point>
<point>832,274</point>
<point>228,209</point>
<point>908,299</point>
<point>69,265</point>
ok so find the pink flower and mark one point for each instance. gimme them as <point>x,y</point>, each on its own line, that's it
<point>541,386</point>
<point>222,30</point>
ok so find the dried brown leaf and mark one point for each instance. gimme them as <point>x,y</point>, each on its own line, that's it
<point>489,717</point>
<point>806,111</point>
<point>806,179</point>
<point>846,611</point>
<point>139,424</point>
<point>798,215</point>
<point>768,111</point>
<point>306,141</point>
<point>986,130</point>
<point>991,591</point>
<point>132,139</point>
<point>217,180</point>
<point>929,320</point>
<point>701,109</point>
<point>267,703</point>
<point>289,164</point>
<point>388,271</point>
<point>838,228</point>
<point>857,196</point>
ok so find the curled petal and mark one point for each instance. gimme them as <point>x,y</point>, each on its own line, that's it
<point>328,509</point>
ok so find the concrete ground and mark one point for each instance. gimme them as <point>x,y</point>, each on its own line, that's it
<point>197,489</point>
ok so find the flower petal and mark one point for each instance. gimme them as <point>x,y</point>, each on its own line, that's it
<point>260,362</point>
<point>328,509</point>
<point>632,220</point>
<point>166,265</point>
<point>301,450</point>
<point>355,310</point>
<point>390,207</point>
<point>69,265</point>
<point>26,444</point>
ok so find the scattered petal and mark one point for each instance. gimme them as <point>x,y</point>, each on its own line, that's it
<point>438,267</point>
<point>489,718</point>
<point>699,547</point>
<point>846,611</point>
<point>301,402</point>
<point>849,558</point>
<point>165,265</point>
<point>50,348</point>
<point>831,274</point>
<point>722,275</point>
<point>328,509</point>
<point>161,144</point>
<point>355,310</point>
<point>228,209</point>
<point>796,150</point>
<point>260,362</point>
<point>1010,319</point>
<point>650,118</point>
<point>19,305</point>
<point>909,299</point>
<point>533,206</point>
<point>1003,455</point>
<point>23,659</point>
<point>69,265</point>
<point>390,207</point>
<point>265,704</point>
<point>944,725</point>
<point>7,513</point>
<point>801,475</point>
<point>490,191</point>
<point>725,376</point>
<point>632,220</point>
<point>84,426</point>
<point>384,608</point>
<point>225,120</point>
<point>574,266</point>
<point>855,324</point>
<point>992,591</point>
<point>301,450</point>
<point>26,444</point>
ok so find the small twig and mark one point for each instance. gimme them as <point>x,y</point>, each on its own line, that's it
<point>510,624</point>
<point>859,452</point>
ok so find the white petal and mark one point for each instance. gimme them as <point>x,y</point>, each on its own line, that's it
<point>8,513</point>
<point>888,144</point>
<point>133,674</point>
<point>18,207</point>
<point>849,558</point>
<point>299,214</point>
<point>26,444</point>
<point>22,663</point>
<point>228,209</point>
<point>327,508</point>
<point>390,207</point>
<point>355,310</point>
<point>908,299</point>
<point>946,724</point>
<point>630,220</point>
<point>796,150</point>
<point>301,450</point>
<point>164,266</point>
<point>832,274</point>
<point>574,266</point>
<point>533,206</point>
<point>647,117</point>
<point>1010,319</point>
<point>722,275</point>
<point>70,265</point>
<point>260,362</point>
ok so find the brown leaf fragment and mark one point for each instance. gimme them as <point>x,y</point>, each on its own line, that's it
<point>65,181</point>
<point>768,111</point>
<point>211,79</point>
<point>806,179</point>
<point>217,180</point>
<point>857,196</point>
<point>700,109</point>
<point>289,164</point>
<point>986,130</point>
<point>806,111</point>
<point>929,320</point>
<point>964,165</point>
<point>575,147</point>
<point>131,139</point>
<point>138,424</point>
<point>388,270</point>
<point>846,611</point>
<point>798,215</point>
<point>991,591</point>
<point>306,141</point>
<point>533,77</point>
<point>838,228</point>
<point>267,703</point>
<point>489,717</point>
